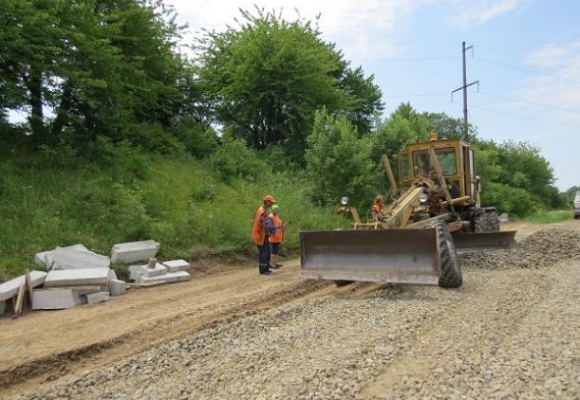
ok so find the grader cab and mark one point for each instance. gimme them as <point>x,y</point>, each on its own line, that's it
<point>435,212</point>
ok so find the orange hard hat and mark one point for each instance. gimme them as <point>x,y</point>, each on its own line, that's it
<point>269,198</point>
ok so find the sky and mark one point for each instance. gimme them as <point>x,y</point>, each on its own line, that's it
<point>522,60</point>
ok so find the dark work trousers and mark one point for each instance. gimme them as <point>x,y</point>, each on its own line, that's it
<point>264,255</point>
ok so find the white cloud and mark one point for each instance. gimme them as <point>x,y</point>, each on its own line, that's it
<point>353,25</point>
<point>482,11</point>
<point>555,83</point>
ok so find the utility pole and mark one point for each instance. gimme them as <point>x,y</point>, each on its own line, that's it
<point>464,88</point>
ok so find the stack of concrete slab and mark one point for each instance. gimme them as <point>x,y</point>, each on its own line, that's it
<point>166,272</point>
<point>75,276</point>
<point>9,289</point>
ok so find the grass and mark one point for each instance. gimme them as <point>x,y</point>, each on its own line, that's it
<point>547,217</point>
<point>177,201</point>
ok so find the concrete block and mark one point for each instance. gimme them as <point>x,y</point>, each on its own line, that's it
<point>45,257</point>
<point>72,259</point>
<point>79,277</point>
<point>10,288</point>
<point>117,287</point>
<point>134,251</point>
<point>86,290</point>
<point>54,299</point>
<point>98,297</point>
<point>135,271</point>
<point>170,277</point>
<point>40,258</point>
<point>177,265</point>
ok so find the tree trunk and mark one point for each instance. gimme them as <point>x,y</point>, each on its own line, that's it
<point>36,117</point>
<point>62,114</point>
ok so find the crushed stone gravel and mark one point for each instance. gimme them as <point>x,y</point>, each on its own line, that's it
<point>510,332</point>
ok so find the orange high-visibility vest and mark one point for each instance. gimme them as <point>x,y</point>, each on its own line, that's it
<point>278,234</point>
<point>259,229</point>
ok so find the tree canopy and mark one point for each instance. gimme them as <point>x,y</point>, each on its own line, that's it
<point>90,67</point>
<point>267,77</point>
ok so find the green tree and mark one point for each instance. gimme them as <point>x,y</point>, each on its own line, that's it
<point>266,78</point>
<point>448,127</point>
<point>516,173</point>
<point>97,67</point>
<point>338,163</point>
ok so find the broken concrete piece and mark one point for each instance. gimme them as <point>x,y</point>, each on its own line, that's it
<point>117,287</point>
<point>135,271</point>
<point>10,288</point>
<point>72,259</point>
<point>45,257</point>
<point>54,299</point>
<point>98,297</point>
<point>134,251</point>
<point>177,265</point>
<point>79,277</point>
<point>170,277</point>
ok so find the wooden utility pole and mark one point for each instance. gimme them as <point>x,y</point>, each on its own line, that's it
<point>464,88</point>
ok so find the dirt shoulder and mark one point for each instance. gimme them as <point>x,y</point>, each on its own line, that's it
<point>45,345</point>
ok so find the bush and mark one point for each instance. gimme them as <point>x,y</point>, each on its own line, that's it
<point>514,201</point>
<point>234,160</point>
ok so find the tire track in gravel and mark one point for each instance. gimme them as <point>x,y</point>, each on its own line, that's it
<point>451,356</point>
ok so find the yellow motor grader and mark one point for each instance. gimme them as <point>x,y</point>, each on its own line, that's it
<point>435,213</point>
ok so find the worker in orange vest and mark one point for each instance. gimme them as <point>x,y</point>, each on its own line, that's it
<point>260,235</point>
<point>276,232</point>
<point>377,208</point>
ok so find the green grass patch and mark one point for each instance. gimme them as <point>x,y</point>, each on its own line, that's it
<point>178,201</point>
<point>547,217</point>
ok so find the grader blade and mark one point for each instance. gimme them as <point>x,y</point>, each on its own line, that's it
<point>386,255</point>
<point>471,242</point>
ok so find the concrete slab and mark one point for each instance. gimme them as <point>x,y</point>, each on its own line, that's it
<point>117,287</point>
<point>134,251</point>
<point>170,277</point>
<point>177,265</point>
<point>10,288</point>
<point>72,259</point>
<point>54,299</point>
<point>79,277</point>
<point>45,257</point>
<point>135,271</point>
<point>98,297</point>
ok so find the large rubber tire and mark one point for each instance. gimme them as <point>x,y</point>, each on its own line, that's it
<point>480,223</point>
<point>486,222</point>
<point>492,221</point>
<point>450,269</point>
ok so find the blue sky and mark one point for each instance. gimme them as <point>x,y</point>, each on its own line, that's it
<point>524,53</point>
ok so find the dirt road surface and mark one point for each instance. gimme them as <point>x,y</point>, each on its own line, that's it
<point>512,331</point>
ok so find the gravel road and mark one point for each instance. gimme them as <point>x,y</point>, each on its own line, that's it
<point>512,331</point>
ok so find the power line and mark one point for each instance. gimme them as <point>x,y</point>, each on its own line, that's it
<point>526,70</point>
<point>530,102</point>
<point>526,117</point>
<point>418,95</point>
<point>407,59</point>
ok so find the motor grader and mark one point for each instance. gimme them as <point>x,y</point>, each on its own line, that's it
<point>434,214</point>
